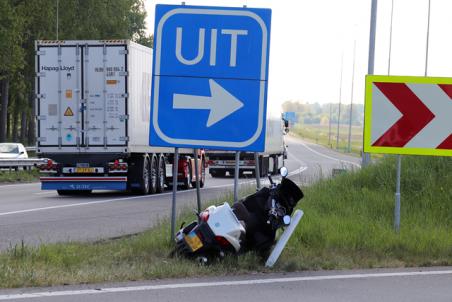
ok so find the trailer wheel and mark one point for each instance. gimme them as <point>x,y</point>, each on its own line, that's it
<point>142,175</point>
<point>275,165</point>
<point>264,163</point>
<point>161,174</point>
<point>153,174</point>
<point>202,181</point>
<point>187,179</point>
<point>202,170</point>
<point>217,173</point>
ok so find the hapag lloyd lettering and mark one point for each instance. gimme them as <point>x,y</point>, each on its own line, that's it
<point>55,68</point>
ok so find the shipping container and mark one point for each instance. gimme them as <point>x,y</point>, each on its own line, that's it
<point>92,104</point>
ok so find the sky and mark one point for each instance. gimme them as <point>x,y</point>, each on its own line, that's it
<point>310,39</point>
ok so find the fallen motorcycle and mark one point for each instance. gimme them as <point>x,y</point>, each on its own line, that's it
<point>249,225</point>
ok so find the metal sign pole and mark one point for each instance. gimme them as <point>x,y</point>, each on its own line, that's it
<point>340,100</point>
<point>371,60</point>
<point>349,145</point>
<point>256,170</point>
<point>397,196</point>
<point>173,206</point>
<point>236,176</point>
<point>198,191</point>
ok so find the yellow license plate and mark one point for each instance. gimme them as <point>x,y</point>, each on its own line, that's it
<point>193,241</point>
<point>84,170</point>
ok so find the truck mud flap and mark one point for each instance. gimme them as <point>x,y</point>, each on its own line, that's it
<point>84,183</point>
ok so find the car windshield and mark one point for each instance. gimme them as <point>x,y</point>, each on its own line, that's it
<point>9,148</point>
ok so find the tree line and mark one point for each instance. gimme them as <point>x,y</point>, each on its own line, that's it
<point>22,22</point>
<point>315,113</point>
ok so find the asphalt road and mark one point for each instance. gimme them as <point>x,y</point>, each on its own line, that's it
<point>32,216</point>
<point>406,285</point>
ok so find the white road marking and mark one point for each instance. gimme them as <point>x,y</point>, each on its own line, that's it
<point>21,184</point>
<point>329,157</point>
<point>75,205</point>
<point>96,202</point>
<point>216,284</point>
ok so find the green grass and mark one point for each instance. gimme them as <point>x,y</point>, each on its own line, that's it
<point>319,135</point>
<point>7,176</point>
<point>348,220</point>
<point>348,223</point>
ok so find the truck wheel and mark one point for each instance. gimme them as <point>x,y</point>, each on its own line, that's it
<point>161,174</point>
<point>153,174</point>
<point>275,165</point>
<point>217,173</point>
<point>202,178</point>
<point>202,181</point>
<point>263,166</point>
<point>187,179</point>
<point>142,175</point>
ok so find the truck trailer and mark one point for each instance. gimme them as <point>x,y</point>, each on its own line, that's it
<point>270,161</point>
<point>92,104</point>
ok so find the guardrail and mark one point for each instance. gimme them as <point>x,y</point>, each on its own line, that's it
<point>21,163</point>
<point>31,148</point>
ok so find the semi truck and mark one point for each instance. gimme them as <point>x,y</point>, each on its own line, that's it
<point>92,104</point>
<point>270,161</point>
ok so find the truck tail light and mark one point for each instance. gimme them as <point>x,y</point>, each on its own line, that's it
<point>117,166</point>
<point>49,166</point>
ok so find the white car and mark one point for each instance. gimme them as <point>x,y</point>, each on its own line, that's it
<point>12,151</point>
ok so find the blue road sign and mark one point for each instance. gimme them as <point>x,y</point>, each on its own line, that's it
<point>209,83</point>
<point>290,116</point>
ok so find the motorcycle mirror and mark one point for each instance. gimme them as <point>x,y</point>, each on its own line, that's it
<point>286,219</point>
<point>283,171</point>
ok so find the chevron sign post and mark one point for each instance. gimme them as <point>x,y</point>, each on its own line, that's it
<point>408,115</point>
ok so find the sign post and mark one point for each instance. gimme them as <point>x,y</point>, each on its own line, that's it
<point>209,77</point>
<point>236,176</point>
<point>198,191</point>
<point>173,204</point>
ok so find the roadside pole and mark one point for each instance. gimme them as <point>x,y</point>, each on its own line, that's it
<point>198,190</point>
<point>236,176</point>
<point>371,60</point>
<point>173,205</point>
<point>399,157</point>
<point>256,170</point>
<point>397,196</point>
<point>340,99</point>
<point>329,126</point>
<point>349,149</point>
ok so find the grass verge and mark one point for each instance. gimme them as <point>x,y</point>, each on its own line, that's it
<point>319,135</point>
<point>347,224</point>
<point>7,176</point>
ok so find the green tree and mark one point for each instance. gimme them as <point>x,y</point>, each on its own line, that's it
<point>11,57</point>
<point>22,22</point>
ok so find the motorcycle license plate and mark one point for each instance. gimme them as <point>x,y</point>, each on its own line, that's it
<point>193,241</point>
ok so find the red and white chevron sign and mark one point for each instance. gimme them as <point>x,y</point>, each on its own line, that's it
<point>408,115</point>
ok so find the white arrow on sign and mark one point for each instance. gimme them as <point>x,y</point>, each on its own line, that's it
<point>221,103</point>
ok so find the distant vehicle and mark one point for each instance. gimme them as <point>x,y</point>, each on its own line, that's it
<point>12,151</point>
<point>93,104</point>
<point>270,161</point>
